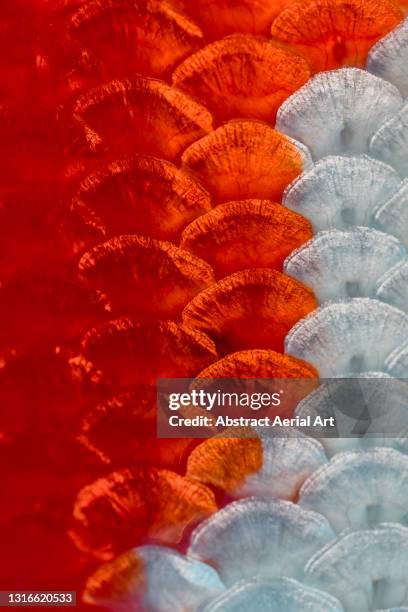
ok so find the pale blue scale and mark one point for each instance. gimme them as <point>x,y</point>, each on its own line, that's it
<point>365,570</point>
<point>260,538</point>
<point>340,192</point>
<point>392,216</point>
<point>397,362</point>
<point>360,489</point>
<point>170,581</point>
<point>338,264</point>
<point>287,460</point>
<point>275,595</point>
<point>392,287</point>
<point>368,409</point>
<point>388,58</point>
<point>348,337</point>
<point>337,112</point>
<point>390,142</point>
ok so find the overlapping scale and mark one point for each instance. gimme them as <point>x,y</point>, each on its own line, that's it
<point>390,142</point>
<point>131,352</point>
<point>258,363</point>
<point>118,511</point>
<point>152,578</point>
<point>287,461</point>
<point>247,234</point>
<point>221,17</point>
<point>106,394</point>
<point>225,463</point>
<point>135,194</point>
<point>335,33</point>
<point>339,264</point>
<point>369,410</point>
<point>366,570</point>
<point>242,76</point>
<point>340,192</point>
<point>392,216</point>
<point>359,489</point>
<point>233,540</point>
<point>121,110</point>
<point>375,440</point>
<point>388,58</point>
<point>249,309</point>
<point>338,111</point>
<point>268,466</point>
<point>392,287</point>
<point>147,37</point>
<point>274,595</point>
<point>143,276</point>
<point>83,150</point>
<point>246,159</point>
<point>348,337</point>
<point>131,418</point>
<point>397,362</point>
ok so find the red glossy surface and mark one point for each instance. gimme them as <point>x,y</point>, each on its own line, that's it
<point>92,147</point>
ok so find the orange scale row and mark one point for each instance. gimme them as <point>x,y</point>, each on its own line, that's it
<point>212,67</point>
<point>118,108</point>
<point>132,505</point>
<point>238,161</point>
<point>130,415</point>
<point>123,347</point>
<point>78,45</point>
<point>129,351</point>
<point>126,507</point>
<point>252,309</point>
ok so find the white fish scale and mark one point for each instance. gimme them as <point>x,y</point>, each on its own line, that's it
<point>353,483</point>
<point>392,216</point>
<point>275,595</point>
<point>259,537</point>
<point>338,111</point>
<point>349,336</point>
<point>286,463</point>
<point>365,570</point>
<point>338,264</point>
<point>388,58</point>
<point>332,395</point>
<point>392,287</point>
<point>340,192</point>
<point>390,142</point>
